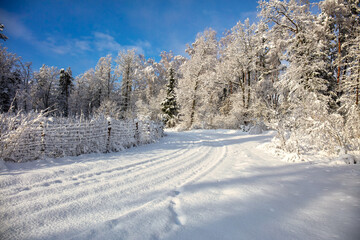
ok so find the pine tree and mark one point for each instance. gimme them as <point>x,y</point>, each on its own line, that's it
<point>169,105</point>
<point>65,84</point>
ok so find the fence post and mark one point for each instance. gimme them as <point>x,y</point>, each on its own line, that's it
<point>43,141</point>
<point>108,144</point>
<point>137,133</point>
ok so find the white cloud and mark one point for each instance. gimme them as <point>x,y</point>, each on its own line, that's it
<point>54,44</point>
<point>83,45</point>
<point>50,44</point>
<point>104,41</point>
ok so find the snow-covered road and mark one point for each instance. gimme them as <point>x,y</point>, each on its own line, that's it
<point>200,184</point>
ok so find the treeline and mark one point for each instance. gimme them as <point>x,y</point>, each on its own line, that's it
<point>128,86</point>
<point>296,70</point>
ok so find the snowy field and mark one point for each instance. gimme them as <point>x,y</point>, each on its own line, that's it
<point>218,184</point>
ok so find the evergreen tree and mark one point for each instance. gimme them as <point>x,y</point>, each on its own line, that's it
<point>169,105</point>
<point>65,85</point>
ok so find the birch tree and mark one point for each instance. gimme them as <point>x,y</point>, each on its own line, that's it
<point>197,96</point>
<point>45,88</point>
<point>127,62</point>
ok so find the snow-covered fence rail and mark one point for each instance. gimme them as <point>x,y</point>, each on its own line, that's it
<point>54,139</point>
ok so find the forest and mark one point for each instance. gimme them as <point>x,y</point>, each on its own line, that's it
<point>296,70</point>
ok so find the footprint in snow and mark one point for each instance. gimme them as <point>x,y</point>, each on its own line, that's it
<point>175,209</point>
<point>176,214</point>
<point>174,193</point>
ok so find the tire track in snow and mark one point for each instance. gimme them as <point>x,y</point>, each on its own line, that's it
<point>91,175</point>
<point>141,182</point>
<point>92,191</point>
<point>48,178</point>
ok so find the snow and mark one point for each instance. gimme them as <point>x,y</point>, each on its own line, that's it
<point>203,184</point>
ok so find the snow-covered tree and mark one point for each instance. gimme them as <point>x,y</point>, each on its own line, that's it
<point>127,63</point>
<point>23,95</point>
<point>105,78</point>
<point>348,14</point>
<point>84,99</point>
<point>44,90</point>
<point>196,87</point>
<point>9,79</point>
<point>307,118</point>
<point>267,69</point>
<point>169,105</point>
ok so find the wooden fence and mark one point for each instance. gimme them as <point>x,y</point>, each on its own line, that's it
<point>48,139</point>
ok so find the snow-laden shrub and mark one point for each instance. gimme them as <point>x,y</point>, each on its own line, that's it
<point>313,129</point>
<point>348,159</point>
<point>16,129</point>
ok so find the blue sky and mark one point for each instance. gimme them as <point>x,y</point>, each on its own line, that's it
<point>77,33</point>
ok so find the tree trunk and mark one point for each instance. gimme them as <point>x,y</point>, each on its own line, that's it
<point>248,100</point>
<point>339,59</point>
<point>193,106</point>
<point>126,90</point>
<point>108,85</point>
<point>243,88</point>
<point>357,85</point>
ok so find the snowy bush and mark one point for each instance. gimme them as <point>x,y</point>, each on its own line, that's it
<point>20,131</point>
<point>319,131</point>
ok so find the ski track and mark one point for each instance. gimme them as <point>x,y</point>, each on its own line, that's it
<point>134,194</point>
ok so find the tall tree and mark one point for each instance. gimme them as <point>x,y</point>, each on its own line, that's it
<point>9,78</point>
<point>45,88</point>
<point>84,99</point>
<point>169,105</point>
<point>103,74</point>
<point>197,95</point>
<point>65,85</point>
<point>24,101</point>
<point>127,65</point>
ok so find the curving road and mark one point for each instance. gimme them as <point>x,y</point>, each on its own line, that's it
<point>156,191</point>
